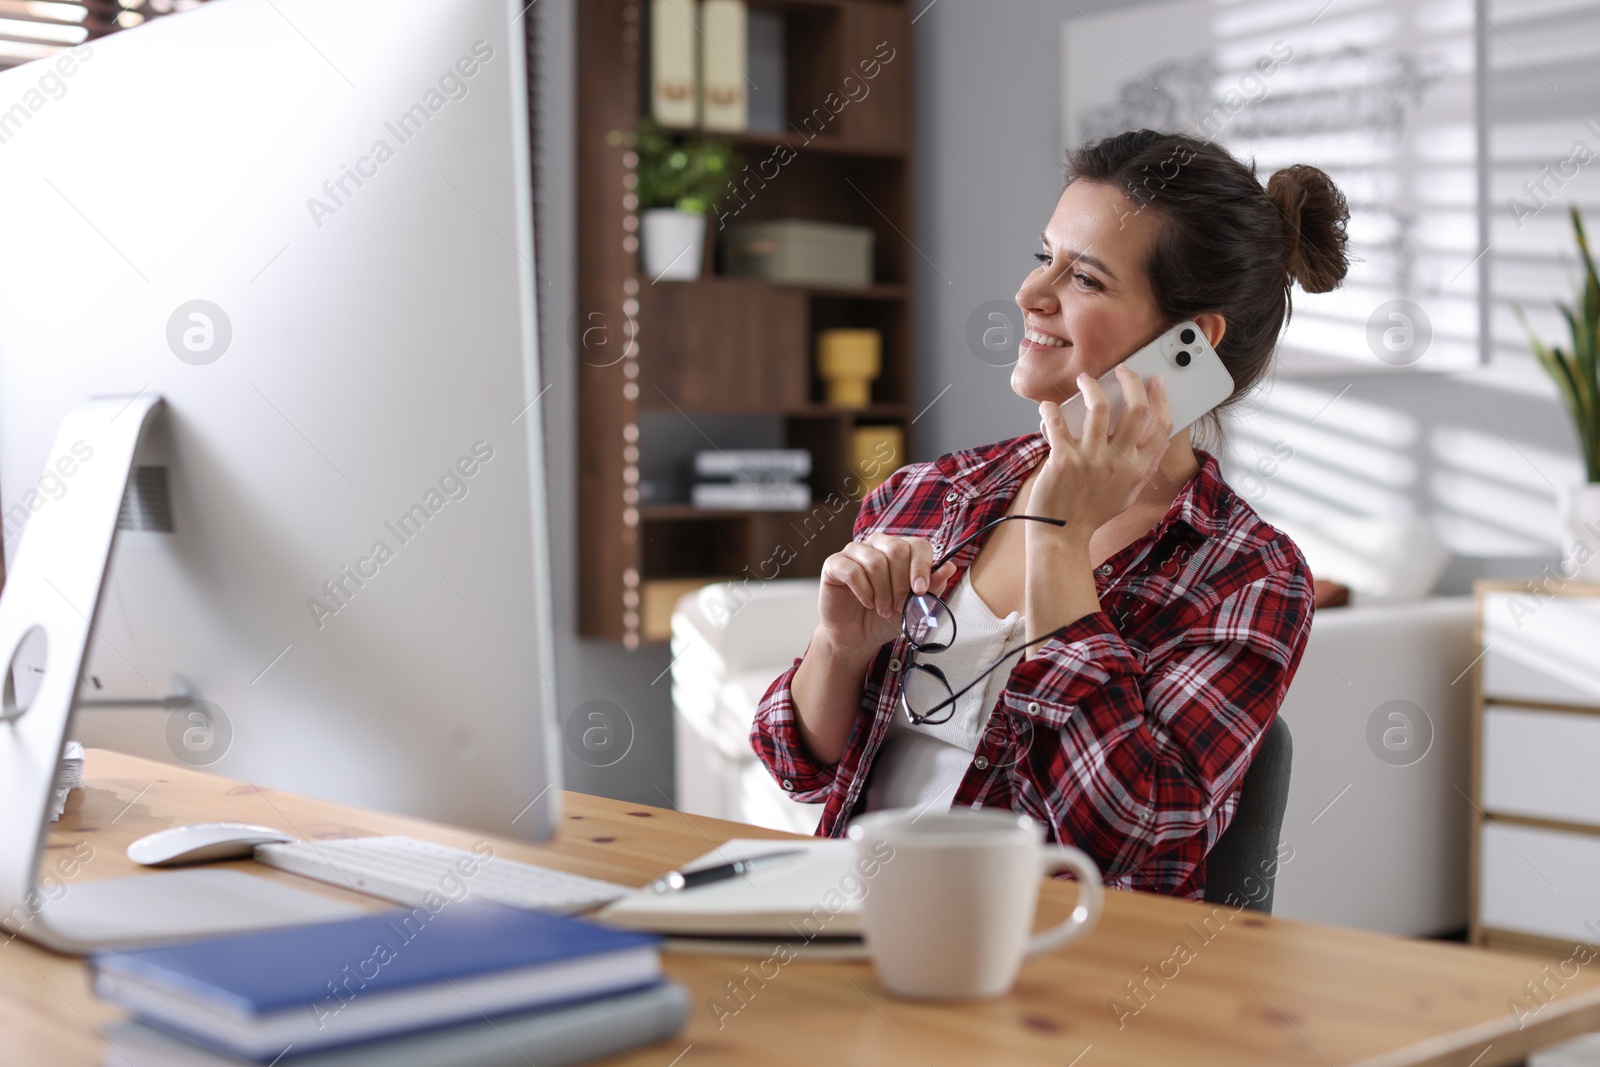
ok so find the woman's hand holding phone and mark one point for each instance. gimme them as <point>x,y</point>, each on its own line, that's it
<point>865,585</point>
<point>1090,479</point>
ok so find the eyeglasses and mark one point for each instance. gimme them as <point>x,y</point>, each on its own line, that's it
<point>929,627</point>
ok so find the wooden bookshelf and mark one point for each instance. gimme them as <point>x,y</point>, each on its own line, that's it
<point>725,346</point>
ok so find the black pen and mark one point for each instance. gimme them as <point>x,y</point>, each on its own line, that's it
<point>677,881</point>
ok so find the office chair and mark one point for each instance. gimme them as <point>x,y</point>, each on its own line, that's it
<point>1242,866</point>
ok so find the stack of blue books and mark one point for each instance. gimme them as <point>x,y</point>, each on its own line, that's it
<point>472,985</point>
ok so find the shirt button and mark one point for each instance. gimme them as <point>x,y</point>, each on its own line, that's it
<point>894,665</point>
<point>938,547</point>
<point>1033,708</point>
<point>788,785</point>
<point>982,763</point>
<point>950,498</point>
<point>1104,571</point>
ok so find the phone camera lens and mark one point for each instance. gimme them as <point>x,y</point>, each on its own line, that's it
<point>1187,337</point>
<point>1183,359</point>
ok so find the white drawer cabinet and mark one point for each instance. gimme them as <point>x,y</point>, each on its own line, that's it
<point>1541,764</point>
<point>1536,782</point>
<point>1540,882</point>
<point>1541,649</point>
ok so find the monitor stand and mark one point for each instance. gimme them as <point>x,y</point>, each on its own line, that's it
<point>54,587</point>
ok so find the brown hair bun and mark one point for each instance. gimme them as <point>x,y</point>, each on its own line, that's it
<point>1315,215</point>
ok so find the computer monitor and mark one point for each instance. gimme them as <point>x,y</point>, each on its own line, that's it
<point>306,226</point>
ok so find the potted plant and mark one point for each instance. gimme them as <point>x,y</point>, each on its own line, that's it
<point>1575,376</point>
<point>681,180</point>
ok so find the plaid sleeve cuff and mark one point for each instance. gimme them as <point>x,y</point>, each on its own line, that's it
<point>1063,672</point>
<point>775,737</point>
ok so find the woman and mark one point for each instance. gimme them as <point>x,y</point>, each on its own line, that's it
<point>1160,619</point>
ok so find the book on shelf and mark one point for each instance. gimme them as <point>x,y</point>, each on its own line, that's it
<point>768,71</point>
<point>758,464</point>
<point>724,66</point>
<point>674,52</point>
<point>371,978</point>
<point>752,496</point>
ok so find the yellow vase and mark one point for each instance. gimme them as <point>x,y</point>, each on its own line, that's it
<point>849,361</point>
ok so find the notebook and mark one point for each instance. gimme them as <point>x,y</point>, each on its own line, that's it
<point>550,1037</point>
<point>252,995</point>
<point>814,897</point>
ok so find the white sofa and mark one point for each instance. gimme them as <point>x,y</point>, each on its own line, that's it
<point>1376,845</point>
<point>728,644</point>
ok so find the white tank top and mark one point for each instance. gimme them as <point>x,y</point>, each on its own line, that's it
<point>922,766</point>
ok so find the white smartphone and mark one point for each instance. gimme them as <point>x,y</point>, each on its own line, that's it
<point>1195,378</point>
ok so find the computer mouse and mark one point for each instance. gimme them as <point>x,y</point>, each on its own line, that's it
<point>203,842</point>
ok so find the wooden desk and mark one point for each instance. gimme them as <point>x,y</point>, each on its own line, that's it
<point>1258,991</point>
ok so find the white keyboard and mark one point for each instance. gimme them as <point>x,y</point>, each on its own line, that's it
<point>406,870</point>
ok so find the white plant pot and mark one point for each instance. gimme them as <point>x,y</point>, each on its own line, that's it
<point>674,243</point>
<point>1580,509</point>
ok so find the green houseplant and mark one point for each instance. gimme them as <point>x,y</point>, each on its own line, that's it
<point>1574,372</point>
<point>682,177</point>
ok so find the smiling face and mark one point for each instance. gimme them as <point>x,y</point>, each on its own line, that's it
<point>1088,306</point>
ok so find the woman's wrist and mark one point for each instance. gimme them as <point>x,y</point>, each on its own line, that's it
<point>832,656</point>
<point>1060,581</point>
<point>826,692</point>
<point>1069,540</point>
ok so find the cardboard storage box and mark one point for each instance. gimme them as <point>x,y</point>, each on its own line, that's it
<point>801,252</point>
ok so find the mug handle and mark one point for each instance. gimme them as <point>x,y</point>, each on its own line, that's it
<point>1091,897</point>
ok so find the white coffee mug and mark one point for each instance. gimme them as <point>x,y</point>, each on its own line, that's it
<point>947,913</point>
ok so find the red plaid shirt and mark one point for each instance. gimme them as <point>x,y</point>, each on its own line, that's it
<point>1129,734</point>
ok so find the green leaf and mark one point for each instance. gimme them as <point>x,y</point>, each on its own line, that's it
<point>1576,375</point>
<point>1555,365</point>
<point>1584,324</point>
<point>682,169</point>
<point>1585,386</point>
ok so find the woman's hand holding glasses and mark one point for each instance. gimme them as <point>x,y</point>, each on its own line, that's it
<point>865,586</point>
<point>885,587</point>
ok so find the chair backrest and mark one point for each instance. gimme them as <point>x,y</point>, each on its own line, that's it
<point>1242,867</point>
